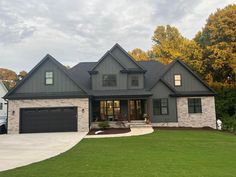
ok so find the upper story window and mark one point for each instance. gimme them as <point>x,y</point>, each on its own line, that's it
<point>160,106</point>
<point>177,80</point>
<point>194,105</point>
<point>109,80</point>
<point>134,81</point>
<point>49,78</point>
<point>1,106</point>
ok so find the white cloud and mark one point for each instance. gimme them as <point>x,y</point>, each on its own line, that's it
<point>74,31</point>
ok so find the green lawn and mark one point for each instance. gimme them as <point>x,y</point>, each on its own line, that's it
<point>164,153</point>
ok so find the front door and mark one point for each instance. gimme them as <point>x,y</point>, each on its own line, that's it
<point>135,109</point>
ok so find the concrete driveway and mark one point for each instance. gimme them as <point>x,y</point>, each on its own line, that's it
<point>23,149</point>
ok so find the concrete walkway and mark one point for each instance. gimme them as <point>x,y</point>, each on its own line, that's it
<point>134,132</point>
<point>23,149</point>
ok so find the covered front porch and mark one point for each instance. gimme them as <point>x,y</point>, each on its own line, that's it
<point>126,110</point>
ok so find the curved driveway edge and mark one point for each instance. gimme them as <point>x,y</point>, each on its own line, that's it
<point>134,132</point>
<point>23,149</point>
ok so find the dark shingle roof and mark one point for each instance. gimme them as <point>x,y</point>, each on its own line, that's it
<point>154,70</point>
<point>80,73</point>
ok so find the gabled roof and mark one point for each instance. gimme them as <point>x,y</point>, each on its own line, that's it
<point>168,68</point>
<point>103,57</point>
<point>126,53</point>
<point>46,58</point>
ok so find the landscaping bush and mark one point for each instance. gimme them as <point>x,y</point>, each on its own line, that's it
<point>104,125</point>
<point>229,123</point>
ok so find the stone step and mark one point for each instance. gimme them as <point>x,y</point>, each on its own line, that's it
<point>140,125</point>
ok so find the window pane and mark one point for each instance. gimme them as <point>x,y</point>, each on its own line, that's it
<point>49,81</point>
<point>134,81</point>
<point>194,105</point>
<point>157,107</point>
<point>164,102</point>
<point>116,103</point>
<point>177,77</point>
<point>109,80</point>
<point>164,110</point>
<point>177,80</point>
<point>48,74</point>
<point>177,83</point>
<point>191,109</point>
<point>198,109</point>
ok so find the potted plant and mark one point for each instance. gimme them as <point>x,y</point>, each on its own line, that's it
<point>146,118</point>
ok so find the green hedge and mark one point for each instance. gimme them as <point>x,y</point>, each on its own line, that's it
<point>229,123</point>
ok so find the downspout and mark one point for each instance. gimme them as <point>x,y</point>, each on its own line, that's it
<point>7,117</point>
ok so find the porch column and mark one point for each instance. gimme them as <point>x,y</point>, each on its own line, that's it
<point>128,110</point>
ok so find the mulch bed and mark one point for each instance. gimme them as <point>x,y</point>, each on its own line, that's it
<point>109,131</point>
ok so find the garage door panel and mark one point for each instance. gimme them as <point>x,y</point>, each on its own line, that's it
<point>48,120</point>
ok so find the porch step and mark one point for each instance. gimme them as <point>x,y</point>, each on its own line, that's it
<point>138,124</point>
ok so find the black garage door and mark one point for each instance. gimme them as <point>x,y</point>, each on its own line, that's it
<point>48,120</point>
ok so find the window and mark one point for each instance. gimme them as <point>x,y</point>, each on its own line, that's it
<point>1,106</point>
<point>177,78</point>
<point>109,80</point>
<point>194,105</point>
<point>49,78</point>
<point>134,81</point>
<point>110,108</point>
<point>160,106</point>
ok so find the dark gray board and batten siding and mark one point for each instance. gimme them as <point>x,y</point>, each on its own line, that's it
<point>189,82</point>
<point>110,66</point>
<point>160,90</point>
<point>36,82</point>
<point>123,58</point>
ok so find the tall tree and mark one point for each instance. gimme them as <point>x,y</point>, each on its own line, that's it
<point>138,54</point>
<point>218,41</point>
<point>9,77</point>
<point>169,44</point>
<point>22,74</point>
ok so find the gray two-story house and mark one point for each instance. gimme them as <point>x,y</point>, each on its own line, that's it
<point>52,98</point>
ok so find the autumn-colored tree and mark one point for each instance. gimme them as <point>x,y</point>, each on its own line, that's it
<point>7,74</point>
<point>138,54</point>
<point>218,42</point>
<point>22,74</point>
<point>169,44</point>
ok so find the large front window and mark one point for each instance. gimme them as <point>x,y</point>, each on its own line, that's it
<point>109,80</point>
<point>160,106</point>
<point>109,109</point>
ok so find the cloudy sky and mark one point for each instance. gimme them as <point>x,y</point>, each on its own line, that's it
<point>75,30</point>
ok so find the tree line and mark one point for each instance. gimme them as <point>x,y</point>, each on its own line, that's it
<point>211,54</point>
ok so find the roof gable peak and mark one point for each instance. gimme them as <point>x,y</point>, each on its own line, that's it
<point>127,54</point>
<point>104,56</point>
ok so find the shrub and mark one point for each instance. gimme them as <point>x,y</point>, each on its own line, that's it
<point>104,125</point>
<point>229,123</point>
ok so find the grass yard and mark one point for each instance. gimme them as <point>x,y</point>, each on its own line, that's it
<point>164,153</point>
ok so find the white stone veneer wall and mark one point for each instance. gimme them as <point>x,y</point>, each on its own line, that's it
<point>15,105</point>
<point>205,119</point>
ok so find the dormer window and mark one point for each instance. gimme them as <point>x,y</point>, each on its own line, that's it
<point>177,80</point>
<point>49,78</point>
<point>134,81</point>
<point>109,80</point>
